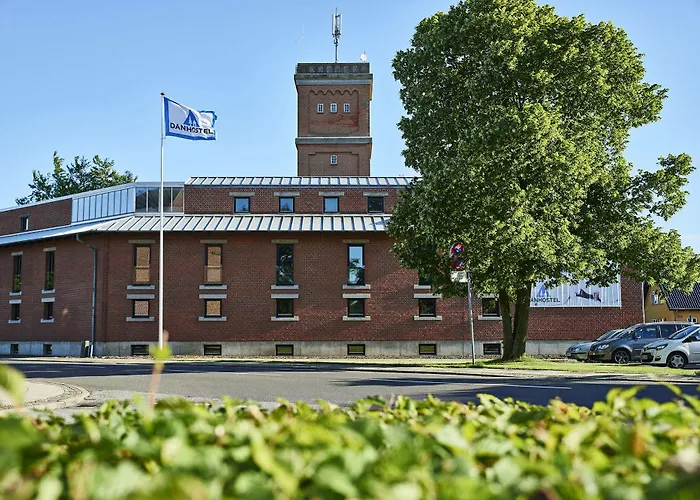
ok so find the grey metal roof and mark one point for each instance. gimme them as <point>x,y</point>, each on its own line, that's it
<point>676,299</point>
<point>300,181</point>
<point>229,223</point>
<point>53,232</point>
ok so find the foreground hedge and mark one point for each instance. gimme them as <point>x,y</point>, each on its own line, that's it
<point>624,448</point>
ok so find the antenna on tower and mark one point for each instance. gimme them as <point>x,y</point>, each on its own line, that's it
<point>335,31</point>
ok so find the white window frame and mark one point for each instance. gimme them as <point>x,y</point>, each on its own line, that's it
<point>334,159</point>
<point>346,107</point>
<point>319,108</point>
<point>334,107</point>
<point>692,319</point>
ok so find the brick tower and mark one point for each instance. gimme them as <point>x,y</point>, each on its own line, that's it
<point>333,119</point>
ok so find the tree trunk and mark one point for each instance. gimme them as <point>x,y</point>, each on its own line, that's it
<point>515,327</point>
<point>504,306</point>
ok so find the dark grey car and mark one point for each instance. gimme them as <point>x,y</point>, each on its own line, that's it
<point>627,345</point>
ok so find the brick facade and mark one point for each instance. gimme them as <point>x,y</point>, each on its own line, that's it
<point>219,200</point>
<point>41,216</point>
<point>73,292</point>
<point>320,261</point>
<point>333,118</point>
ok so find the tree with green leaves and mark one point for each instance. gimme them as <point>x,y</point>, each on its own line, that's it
<point>517,120</point>
<point>77,177</point>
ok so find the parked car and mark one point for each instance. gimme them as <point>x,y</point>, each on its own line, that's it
<point>627,345</point>
<point>676,351</point>
<point>580,351</point>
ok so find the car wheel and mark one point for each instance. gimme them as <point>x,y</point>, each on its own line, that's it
<point>676,360</point>
<point>621,357</point>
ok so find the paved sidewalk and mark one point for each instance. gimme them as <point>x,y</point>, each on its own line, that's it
<point>42,394</point>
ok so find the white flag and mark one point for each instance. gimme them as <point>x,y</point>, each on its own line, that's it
<point>186,123</point>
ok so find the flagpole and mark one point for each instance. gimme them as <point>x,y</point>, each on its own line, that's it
<point>160,246</point>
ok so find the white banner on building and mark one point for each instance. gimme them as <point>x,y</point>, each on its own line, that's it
<point>576,295</point>
<point>186,123</point>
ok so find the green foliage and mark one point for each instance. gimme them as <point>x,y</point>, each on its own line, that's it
<point>624,448</point>
<point>12,382</point>
<point>77,177</point>
<point>517,120</point>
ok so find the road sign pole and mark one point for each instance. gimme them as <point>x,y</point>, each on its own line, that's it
<point>471,315</point>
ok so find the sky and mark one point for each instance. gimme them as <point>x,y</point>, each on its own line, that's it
<point>83,77</point>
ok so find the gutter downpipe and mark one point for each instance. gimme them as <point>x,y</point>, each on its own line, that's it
<point>94,295</point>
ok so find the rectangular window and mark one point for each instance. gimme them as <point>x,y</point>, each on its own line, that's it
<point>173,199</point>
<point>213,264</point>
<point>319,108</point>
<point>48,273</point>
<point>285,264</point>
<point>139,349</point>
<point>427,307</point>
<point>346,107</point>
<point>14,312</point>
<point>212,308</point>
<point>356,349</point>
<point>422,280</point>
<point>334,159</point>
<point>241,205</point>
<point>24,223</point>
<point>142,264</point>
<point>48,310</point>
<point>489,307</point>
<point>14,349</point>
<point>427,349</point>
<point>331,204</point>
<point>356,308</point>
<point>140,308</point>
<point>285,308</point>
<point>212,349</point>
<point>375,204</point>
<point>287,205</point>
<point>334,107</point>
<point>356,264</point>
<point>17,273</point>
<point>284,350</point>
<point>48,349</point>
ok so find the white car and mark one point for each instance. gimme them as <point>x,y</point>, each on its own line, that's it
<point>678,350</point>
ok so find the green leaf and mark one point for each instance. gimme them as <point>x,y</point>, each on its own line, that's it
<point>161,354</point>
<point>12,382</point>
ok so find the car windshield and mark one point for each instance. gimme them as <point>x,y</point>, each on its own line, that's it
<point>683,333</point>
<point>607,335</point>
<point>627,332</point>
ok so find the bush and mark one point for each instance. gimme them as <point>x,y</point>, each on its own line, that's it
<point>623,448</point>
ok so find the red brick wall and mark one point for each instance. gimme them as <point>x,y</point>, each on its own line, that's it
<point>569,323</point>
<point>249,270</point>
<point>41,216</point>
<point>353,159</point>
<point>216,200</point>
<point>73,292</point>
<point>311,123</point>
<point>320,267</point>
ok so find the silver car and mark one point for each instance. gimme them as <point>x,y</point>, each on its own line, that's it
<point>579,352</point>
<point>676,351</point>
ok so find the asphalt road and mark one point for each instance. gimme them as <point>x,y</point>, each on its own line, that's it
<point>340,384</point>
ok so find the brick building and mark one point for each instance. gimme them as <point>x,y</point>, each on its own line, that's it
<point>253,265</point>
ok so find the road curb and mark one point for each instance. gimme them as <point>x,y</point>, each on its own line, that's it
<point>78,396</point>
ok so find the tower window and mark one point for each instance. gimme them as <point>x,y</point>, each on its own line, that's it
<point>334,159</point>
<point>334,107</point>
<point>346,107</point>
<point>319,108</point>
